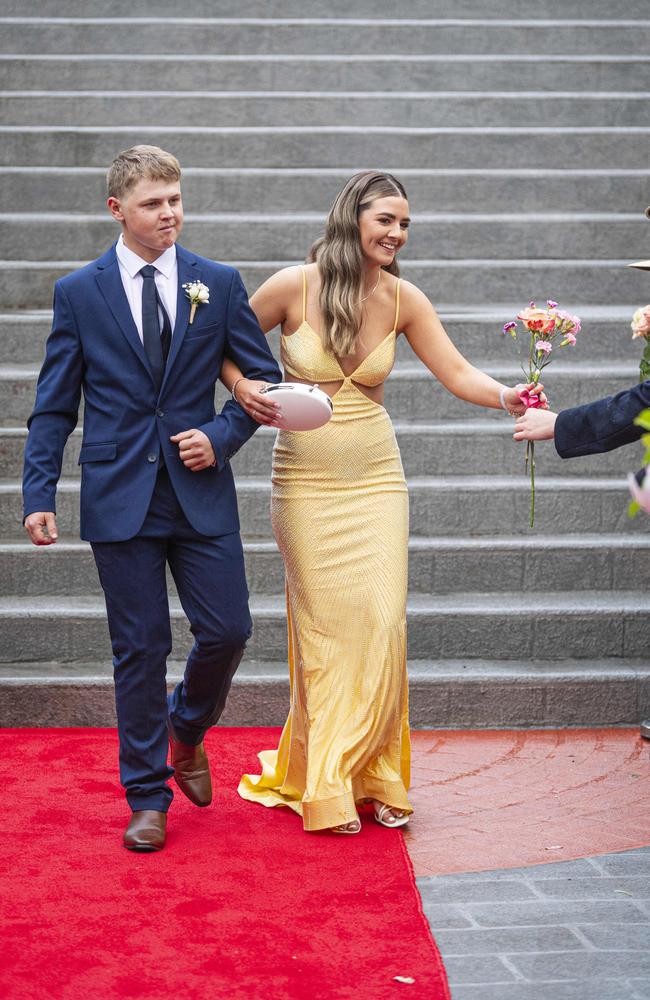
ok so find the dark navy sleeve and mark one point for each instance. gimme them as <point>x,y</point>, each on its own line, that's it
<point>603,425</point>
<point>56,409</point>
<point>247,346</point>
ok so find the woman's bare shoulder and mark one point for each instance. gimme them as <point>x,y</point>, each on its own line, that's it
<point>413,301</point>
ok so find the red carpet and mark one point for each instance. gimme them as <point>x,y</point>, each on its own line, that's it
<point>240,905</point>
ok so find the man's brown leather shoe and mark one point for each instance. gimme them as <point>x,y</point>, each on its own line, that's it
<point>146,831</point>
<point>191,769</point>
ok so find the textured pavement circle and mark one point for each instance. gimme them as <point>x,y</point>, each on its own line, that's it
<point>504,799</point>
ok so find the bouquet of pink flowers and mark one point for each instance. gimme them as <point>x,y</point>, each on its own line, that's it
<point>547,327</point>
<point>641,328</point>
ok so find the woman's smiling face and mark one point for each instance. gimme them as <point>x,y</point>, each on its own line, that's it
<point>383,229</point>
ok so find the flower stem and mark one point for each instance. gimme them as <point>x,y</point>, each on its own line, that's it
<point>532,483</point>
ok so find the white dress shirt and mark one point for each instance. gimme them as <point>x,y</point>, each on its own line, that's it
<point>166,278</point>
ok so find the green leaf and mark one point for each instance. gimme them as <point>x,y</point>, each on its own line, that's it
<point>643,420</point>
<point>633,508</point>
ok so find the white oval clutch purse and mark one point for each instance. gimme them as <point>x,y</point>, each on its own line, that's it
<point>304,407</point>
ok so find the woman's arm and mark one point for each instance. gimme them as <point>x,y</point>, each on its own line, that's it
<point>269,303</point>
<point>428,338</point>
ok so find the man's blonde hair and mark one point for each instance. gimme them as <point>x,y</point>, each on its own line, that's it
<point>132,165</point>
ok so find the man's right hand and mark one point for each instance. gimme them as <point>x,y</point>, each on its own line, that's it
<point>535,425</point>
<point>41,527</point>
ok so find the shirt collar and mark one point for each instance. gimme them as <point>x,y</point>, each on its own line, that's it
<point>132,264</point>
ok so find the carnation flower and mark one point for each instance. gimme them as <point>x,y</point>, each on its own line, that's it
<point>530,399</point>
<point>537,319</point>
<point>567,323</point>
<point>543,345</point>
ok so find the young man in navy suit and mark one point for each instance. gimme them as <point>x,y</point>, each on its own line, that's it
<point>156,484</point>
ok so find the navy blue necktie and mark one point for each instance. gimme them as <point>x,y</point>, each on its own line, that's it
<point>156,341</point>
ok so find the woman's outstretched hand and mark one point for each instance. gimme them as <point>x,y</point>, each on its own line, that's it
<point>251,398</point>
<point>520,398</point>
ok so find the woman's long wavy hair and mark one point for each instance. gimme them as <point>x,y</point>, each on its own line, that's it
<point>339,258</point>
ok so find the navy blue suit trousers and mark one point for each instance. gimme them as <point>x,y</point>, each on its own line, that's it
<point>211,585</point>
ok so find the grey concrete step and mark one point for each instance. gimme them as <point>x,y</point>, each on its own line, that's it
<point>284,189</point>
<point>411,394</point>
<point>243,236</point>
<point>422,109</point>
<point>456,447</point>
<point>445,693</point>
<point>453,9</point>
<point>510,626</point>
<point>332,145</point>
<point>436,565</point>
<point>27,285</point>
<point>432,449</point>
<point>475,330</point>
<point>628,71</point>
<point>311,36</point>
<point>477,506</point>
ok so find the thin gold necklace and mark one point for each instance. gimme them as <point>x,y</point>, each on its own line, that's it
<point>364,297</point>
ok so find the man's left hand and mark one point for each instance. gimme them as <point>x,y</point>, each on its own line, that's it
<point>195,449</point>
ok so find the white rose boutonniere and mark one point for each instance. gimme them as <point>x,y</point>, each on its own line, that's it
<point>198,294</point>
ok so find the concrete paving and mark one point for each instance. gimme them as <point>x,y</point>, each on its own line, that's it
<point>573,930</point>
<point>532,859</point>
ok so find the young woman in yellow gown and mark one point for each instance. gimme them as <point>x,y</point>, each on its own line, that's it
<point>339,510</point>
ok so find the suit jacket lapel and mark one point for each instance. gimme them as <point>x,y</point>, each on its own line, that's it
<point>188,271</point>
<point>110,284</point>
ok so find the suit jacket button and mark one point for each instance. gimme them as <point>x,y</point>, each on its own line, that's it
<point>160,413</point>
<point>152,458</point>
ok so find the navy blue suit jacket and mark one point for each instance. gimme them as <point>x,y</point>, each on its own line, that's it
<point>603,425</point>
<point>94,347</point>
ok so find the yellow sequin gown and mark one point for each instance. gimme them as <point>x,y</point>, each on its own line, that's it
<point>339,509</point>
